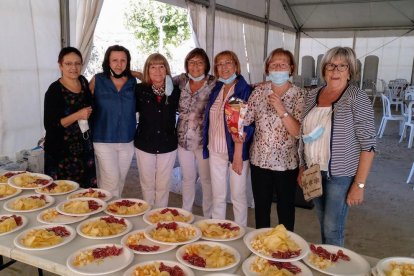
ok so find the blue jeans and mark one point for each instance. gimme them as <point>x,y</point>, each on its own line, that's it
<point>331,208</point>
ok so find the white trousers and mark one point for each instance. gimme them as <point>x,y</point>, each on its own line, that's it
<point>192,161</point>
<point>113,163</point>
<point>220,168</point>
<point>155,172</point>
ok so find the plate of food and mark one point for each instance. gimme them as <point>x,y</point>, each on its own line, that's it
<point>100,259</point>
<point>208,256</point>
<point>157,267</point>
<point>335,260</point>
<point>258,266</point>
<point>7,191</point>
<point>81,206</point>
<point>276,244</point>
<point>52,216</point>
<point>104,227</point>
<point>172,233</point>
<point>10,223</point>
<point>58,187</point>
<point>91,192</point>
<point>28,203</point>
<point>220,230</point>
<point>395,266</point>
<point>139,244</point>
<point>29,181</point>
<point>127,207</point>
<point>168,214</point>
<point>45,237</point>
<point>4,177</point>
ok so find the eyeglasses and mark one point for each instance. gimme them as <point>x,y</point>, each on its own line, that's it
<point>70,64</point>
<point>224,64</point>
<point>339,67</point>
<point>282,66</point>
<point>195,63</point>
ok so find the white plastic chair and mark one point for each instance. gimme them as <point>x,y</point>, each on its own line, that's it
<point>408,116</point>
<point>395,94</point>
<point>387,115</point>
<point>410,174</point>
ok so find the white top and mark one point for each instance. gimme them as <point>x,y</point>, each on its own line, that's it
<point>317,152</point>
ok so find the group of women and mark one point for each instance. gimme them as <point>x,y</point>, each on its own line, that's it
<point>285,131</point>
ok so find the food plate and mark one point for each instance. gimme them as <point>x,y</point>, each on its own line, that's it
<point>50,190</point>
<point>21,180</point>
<point>4,177</point>
<point>106,266</point>
<point>305,271</point>
<point>92,193</point>
<point>356,266</point>
<point>384,264</point>
<point>137,237</point>
<point>187,271</point>
<point>186,230</point>
<point>128,227</point>
<point>57,218</point>
<point>100,204</point>
<point>8,204</point>
<point>219,233</point>
<point>111,209</point>
<point>218,256</point>
<point>67,239</point>
<point>156,215</point>
<point>24,221</point>
<point>6,191</point>
<point>295,237</point>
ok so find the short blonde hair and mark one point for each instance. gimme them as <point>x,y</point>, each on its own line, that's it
<point>155,58</point>
<point>232,56</point>
<point>281,52</point>
<point>345,53</point>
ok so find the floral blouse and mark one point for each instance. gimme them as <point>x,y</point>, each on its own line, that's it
<point>273,147</point>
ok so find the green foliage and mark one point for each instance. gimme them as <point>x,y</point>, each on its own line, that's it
<point>147,17</point>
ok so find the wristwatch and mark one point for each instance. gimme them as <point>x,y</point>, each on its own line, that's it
<point>361,185</point>
<point>284,115</point>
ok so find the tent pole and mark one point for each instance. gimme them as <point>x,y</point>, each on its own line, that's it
<point>296,54</point>
<point>64,23</point>
<point>210,25</point>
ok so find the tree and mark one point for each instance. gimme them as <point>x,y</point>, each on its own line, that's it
<point>157,26</point>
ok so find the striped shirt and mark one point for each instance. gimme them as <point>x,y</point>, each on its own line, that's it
<point>352,129</point>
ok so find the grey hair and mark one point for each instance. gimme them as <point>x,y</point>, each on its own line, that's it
<point>345,53</point>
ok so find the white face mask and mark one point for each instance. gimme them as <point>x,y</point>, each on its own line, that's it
<point>196,78</point>
<point>84,127</point>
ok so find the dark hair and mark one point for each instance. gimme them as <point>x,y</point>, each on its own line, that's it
<point>281,52</point>
<point>105,63</point>
<point>66,51</point>
<point>232,56</point>
<point>198,52</point>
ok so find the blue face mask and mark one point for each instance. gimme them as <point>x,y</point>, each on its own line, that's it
<point>229,80</point>
<point>196,79</point>
<point>314,135</point>
<point>278,77</point>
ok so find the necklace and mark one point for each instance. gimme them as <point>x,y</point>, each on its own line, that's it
<point>158,91</point>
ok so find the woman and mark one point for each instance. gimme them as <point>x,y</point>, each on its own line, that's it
<point>156,137</point>
<point>114,119</point>
<point>195,86</point>
<point>339,135</point>
<point>225,155</point>
<point>68,146</point>
<point>276,107</point>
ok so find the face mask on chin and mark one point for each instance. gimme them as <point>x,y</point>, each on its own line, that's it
<point>117,76</point>
<point>229,80</point>
<point>279,78</point>
<point>196,78</point>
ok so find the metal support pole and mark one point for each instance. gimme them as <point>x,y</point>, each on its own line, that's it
<point>64,23</point>
<point>210,25</point>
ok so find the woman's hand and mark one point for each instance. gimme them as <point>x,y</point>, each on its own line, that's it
<point>299,179</point>
<point>276,101</point>
<point>84,113</point>
<point>355,195</point>
<point>237,165</point>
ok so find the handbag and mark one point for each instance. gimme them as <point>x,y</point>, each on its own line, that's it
<point>312,182</point>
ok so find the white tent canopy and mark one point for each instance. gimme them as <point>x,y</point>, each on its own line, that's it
<point>34,31</point>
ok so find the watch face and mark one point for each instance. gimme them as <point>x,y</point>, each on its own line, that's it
<point>361,185</point>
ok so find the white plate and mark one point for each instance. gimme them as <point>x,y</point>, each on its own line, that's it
<point>356,266</point>
<point>74,185</point>
<point>187,271</point>
<point>242,231</point>
<point>66,240</point>
<point>40,175</point>
<point>102,203</point>
<point>127,229</point>
<point>181,251</point>
<point>180,224</point>
<point>248,272</point>
<point>7,205</point>
<point>24,222</point>
<point>162,247</point>
<point>220,274</point>
<point>130,199</point>
<point>107,197</point>
<point>147,215</point>
<point>384,264</point>
<point>14,172</point>
<point>18,191</point>
<point>107,266</point>
<point>60,218</point>
<point>295,237</point>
